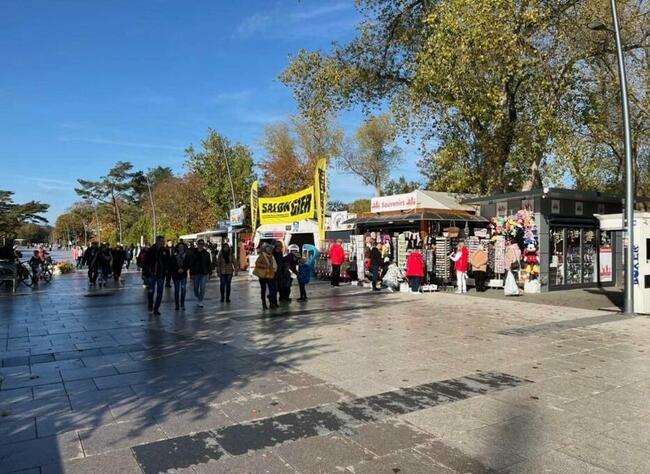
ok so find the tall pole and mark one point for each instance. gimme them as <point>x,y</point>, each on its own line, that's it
<point>234,202</point>
<point>153,208</point>
<point>628,307</point>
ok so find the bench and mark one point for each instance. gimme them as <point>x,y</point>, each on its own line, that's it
<point>9,272</point>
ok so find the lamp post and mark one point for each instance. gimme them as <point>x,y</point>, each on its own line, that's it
<point>153,207</point>
<point>628,307</point>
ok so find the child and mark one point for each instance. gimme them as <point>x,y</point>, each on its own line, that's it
<point>304,273</point>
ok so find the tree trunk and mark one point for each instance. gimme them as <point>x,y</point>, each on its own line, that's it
<point>534,179</point>
<point>117,215</point>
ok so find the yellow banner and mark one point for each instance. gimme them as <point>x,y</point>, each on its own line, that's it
<point>286,209</point>
<point>321,196</point>
<point>254,206</point>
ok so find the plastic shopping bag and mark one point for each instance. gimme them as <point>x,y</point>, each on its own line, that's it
<point>511,288</point>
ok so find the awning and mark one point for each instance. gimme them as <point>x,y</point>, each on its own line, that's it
<point>442,215</point>
<point>574,221</point>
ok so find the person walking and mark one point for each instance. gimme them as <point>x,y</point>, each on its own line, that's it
<point>282,274</point>
<point>90,258</point>
<point>155,265</point>
<point>180,265</point>
<point>265,269</point>
<point>105,261</point>
<point>200,268</point>
<point>118,256</point>
<point>376,262</point>
<point>337,257</point>
<point>415,270</point>
<point>478,261</point>
<point>130,254</point>
<point>460,259</point>
<point>304,275</point>
<point>168,276</point>
<point>226,268</point>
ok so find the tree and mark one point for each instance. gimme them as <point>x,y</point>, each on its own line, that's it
<point>336,206</point>
<point>486,81</point>
<point>401,186</point>
<point>34,232</point>
<point>283,170</point>
<point>292,154</point>
<point>209,164</point>
<point>359,206</point>
<point>116,186</point>
<point>373,154</point>
<point>14,215</point>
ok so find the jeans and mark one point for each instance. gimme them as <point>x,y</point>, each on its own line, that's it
<point>415,282</point>
<point>79,262</point>
<point>461,280</point>
<point>266,283</point>
<point>375,276</point>
<point>336,275</point>
<point>156,285</point>
<point>199,286</point>
<point>180,285</point>
<point>224,285</point>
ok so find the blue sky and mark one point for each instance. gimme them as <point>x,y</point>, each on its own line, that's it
<point>87,83</point>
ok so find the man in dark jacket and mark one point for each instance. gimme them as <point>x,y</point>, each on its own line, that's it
<point>119,257</point>
<point>91,258</point>
<point>375,264</point>
<point>200,268</point>
<point>156,265</point>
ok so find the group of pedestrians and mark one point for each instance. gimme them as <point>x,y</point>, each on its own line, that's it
<point>275,269</point>
<point>161,263</point>
<point>103,261</point>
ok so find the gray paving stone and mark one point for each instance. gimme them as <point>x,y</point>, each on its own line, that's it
<point>40,452</point>
<point>15,395</point>
<point>117,462</point>
<point>15,431</point>
<point>177,453</point>
<point>262,462</point>
<point>387,437</point>
<point>322,454</point>
<point>193,420</point>
<point>116,436</point>
<point>555,462</point>
<point>55,423</point>
<point>312,396</point>
<point>406,461</point>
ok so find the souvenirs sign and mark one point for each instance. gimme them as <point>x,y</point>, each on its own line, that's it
<point>398,202</point>
<point>289,208</point>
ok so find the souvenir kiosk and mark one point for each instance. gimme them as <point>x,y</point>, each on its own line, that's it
<point>573,250</point>
<point>425,221</point>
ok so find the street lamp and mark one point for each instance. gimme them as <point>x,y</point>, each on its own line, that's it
<point>628,307</point>
<point>153,207</point>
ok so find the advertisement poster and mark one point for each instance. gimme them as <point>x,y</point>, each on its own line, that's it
<point>287,209</point>
<point>579,208</point>
<point>254,206</point>
<point>320,182</point>
<point>555,206</point>
<point>237,217</point>
<point>502,208</point>
<point>528,205</point>
<point>605,264</point>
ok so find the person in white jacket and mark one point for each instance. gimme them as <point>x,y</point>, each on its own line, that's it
<point>393,276</point>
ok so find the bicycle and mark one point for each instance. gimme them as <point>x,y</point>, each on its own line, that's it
<point>24,273</point>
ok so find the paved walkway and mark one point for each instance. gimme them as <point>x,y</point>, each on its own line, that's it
<point>350,382</point>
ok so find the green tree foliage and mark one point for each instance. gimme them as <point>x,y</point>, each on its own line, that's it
<point>116,187</point>
<point>359,206</point>
<point>209,163</point>
<point>401,186</point>
<point>34,232</point>
<point>488,82</point>
<point>13,215</point>
<point>372,155</point>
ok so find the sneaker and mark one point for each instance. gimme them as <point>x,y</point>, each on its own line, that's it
<point>228,301</point>
<point>390,289</point>
<point>156,313</point>
<point>200,305</point>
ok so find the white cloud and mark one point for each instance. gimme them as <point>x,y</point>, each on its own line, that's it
<point>297,20</point>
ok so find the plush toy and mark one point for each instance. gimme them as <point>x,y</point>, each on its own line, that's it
<point>531,258</point>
